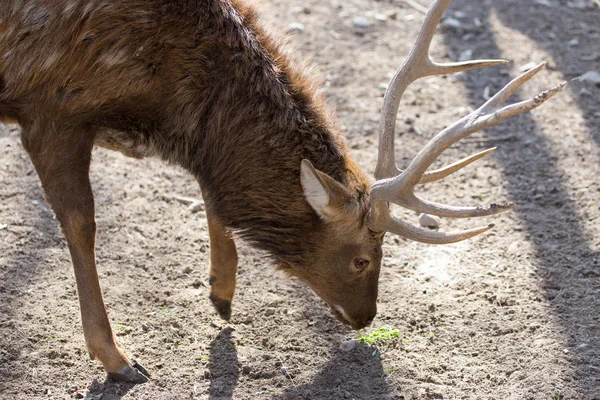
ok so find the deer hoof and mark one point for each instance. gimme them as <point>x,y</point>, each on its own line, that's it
<point>130,374</point>
<point>223,307</point>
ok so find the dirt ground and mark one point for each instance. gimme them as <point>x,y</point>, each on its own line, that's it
<point>512,314</point>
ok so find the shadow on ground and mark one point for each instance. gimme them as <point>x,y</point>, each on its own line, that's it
<point>22,264</point>
<point>223,366</point>
<point>565,258</point>
<point>353,374</point>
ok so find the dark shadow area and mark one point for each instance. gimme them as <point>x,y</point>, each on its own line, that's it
<point>570,33</point>
<point>108,390</point>
<point>355,373</point>
<point>21,262</point>
<point>223,366</point>
<point>564,256</point>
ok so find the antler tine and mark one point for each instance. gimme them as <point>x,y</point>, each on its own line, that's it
<point>441,173</point>
<point>487,115</point>
<point>387,223</point>
<point>417,65</point>
<point>400,189</point>
<point>397,186</point>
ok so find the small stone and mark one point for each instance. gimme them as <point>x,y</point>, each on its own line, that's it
<point>269,311</point>
<point>295,28</point>
<point>361,22</point>
<point>199,282</point>
<point>196,206</point>
<point>283,370</point>
<point>451,24</point>
<point>349,345</point>
<point>383,86</point>
<point>592,77</point>
<point>543,342</point>
<point>466,55</point>
<point>429,221</point>
<point>486,93</point>
<point>573,42</point>
<point>186,270</point>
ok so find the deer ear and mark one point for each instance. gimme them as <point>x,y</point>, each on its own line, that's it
<point>324,194</point>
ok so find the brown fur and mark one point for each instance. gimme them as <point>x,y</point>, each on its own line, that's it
<point>199,84</point>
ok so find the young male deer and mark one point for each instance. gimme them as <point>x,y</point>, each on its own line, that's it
<point>200,84</point>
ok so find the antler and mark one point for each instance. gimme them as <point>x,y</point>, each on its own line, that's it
<point>396,186</point>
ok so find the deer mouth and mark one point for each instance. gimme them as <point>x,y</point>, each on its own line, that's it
<point>341,315</point>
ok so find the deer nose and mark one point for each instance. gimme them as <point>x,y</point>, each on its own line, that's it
<point>369,321</point>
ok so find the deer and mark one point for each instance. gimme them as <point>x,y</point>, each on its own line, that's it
<point>204,86</point>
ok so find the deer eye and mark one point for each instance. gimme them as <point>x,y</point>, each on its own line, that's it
<point>361,263</point>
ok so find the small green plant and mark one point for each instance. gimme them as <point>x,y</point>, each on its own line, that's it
<point>556,396</point>
<point>378,336</point>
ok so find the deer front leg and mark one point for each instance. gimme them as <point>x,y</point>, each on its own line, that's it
<point>62,162</point>
<point>223,267</point>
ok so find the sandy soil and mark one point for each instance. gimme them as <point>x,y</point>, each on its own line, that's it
<point>514,314</point>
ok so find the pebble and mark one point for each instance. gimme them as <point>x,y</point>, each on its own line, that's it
<point>349,345</point>
<point>269,311</point>
<point>543,342</point>
<point>196,206</point>
<point>295,28</point>
<point>429,221</point>
<point>466,55</point>
<point>451,24</point>
<point>361,22</point>
<point>592,77</point>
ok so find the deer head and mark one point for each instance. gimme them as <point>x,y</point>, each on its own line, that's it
<point>353,223</point>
